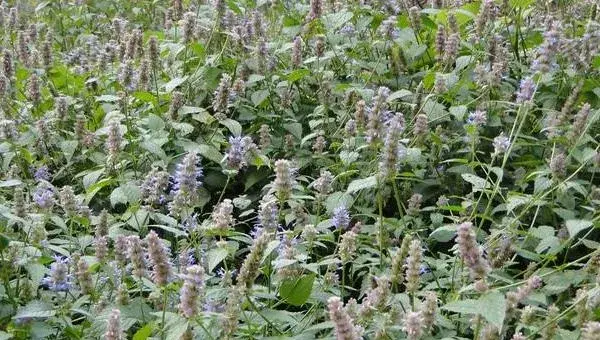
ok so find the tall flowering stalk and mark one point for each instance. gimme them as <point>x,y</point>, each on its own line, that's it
<point>470,252</point>
<point>249,270</point>
<point>191,291</point>
<point>284,179</point>
<point>343,325</point>
<point>413,266</point>
<point>159,258</point>
<point>187,181</point>
<point>113,326</point>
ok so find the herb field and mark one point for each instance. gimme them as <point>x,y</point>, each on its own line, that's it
<point>311,169</point>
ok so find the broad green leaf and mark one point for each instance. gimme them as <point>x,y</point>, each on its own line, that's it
<point>170,86</point>
<point>398,95</point>
<point>297,291</point>
<point>297,74</point>
<point>4,242</point>
<point>338,199</point>
<point>363,183</point>
<point>444,233</point>
<point>491,306</point>
<point>144,332</point>
<point>35,309</point>
<point>216,256</point>
<point>210,152</point>
<point>68,148</point>
<point>478,182</point>
<point>10,183</point>
<point>337,19</point>
<point>259,97</point>
<point>294,128</point>
<point>233,126</point>
<point>91,178</point>
<point>575,226</point>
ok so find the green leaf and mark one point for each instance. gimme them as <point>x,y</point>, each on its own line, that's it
<point>444,233</point>
<point>491,306</point>
<point>216,256</point>
<point>478,182</point>
<point>337,20</point>
<point>398,95</point>
<point>294,128</point>
<point>109,98</point>
<point>91,178</point>
<point>575,226</point>
<point>4,242</point>
<point>175,325</point>
<point>233,126</point>
<point>297,291</point>
<point>144,332</point>
<point>155,123</point>
<point>10,183</point>
<point>363,183</point>
<point>210,152</point>
<point>35,309</point>
<point>298,74</point>
<point>259,97</point>
<point>348,157</point>
<point>127,193</point>
<point>197,113</point>
<point>458,112</point>
<point>154,148</point>
<point>170,86</point>
<point>68,148</point>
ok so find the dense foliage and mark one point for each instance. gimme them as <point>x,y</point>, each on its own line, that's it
<point>395,169</point>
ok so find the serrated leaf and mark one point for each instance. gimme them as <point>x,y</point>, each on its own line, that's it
<point>92,178</point>
<point>153,148</point>
<point>491,306</point>
<point>363,183</point>
<point>170,86</point>
<point>127,193</point>
<point>233,125</point>
<point>68,148</point>
<point>210,152</point>
<point>10,183</point>
<point>216,256</point>
<point>348,157</point>
<point>338,19</point>
<point>259,97</point>
<point>477,182</point>
<point>575,226</point>
<point>444,233</point>
<point>398,95</point>
<point>297,291</point>
<point>35,310</point>
<point>155,123</point>
<point>295,129</point>
<point>144,332</point>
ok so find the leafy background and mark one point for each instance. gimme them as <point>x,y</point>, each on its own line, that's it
<point>432,164</point>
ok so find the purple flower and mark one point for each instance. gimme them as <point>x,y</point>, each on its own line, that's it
<point>238,148</point>
<point>340,218</point>
<point>501,144</point>
<point>188,175</point>
<point>59,280</point>
<point>477,118</point>
<point>44,196</point>
<point>42,174</point>
<point>191,222</point>
<point>526,90</point>
<point>347,30</point>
